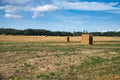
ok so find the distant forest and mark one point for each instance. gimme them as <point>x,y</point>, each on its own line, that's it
<point>42,32</point>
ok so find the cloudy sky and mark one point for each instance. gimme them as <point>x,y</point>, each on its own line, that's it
<point>61,15</point>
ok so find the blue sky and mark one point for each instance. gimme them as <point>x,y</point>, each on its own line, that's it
<point>61,15</point>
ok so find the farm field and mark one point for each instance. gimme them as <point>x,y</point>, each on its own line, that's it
<point>52,58</point>
<point>59,39</point>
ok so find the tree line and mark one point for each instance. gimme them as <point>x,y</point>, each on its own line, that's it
<point>42,32</point>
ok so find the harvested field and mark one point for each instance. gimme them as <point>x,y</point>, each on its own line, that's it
<point>52,58</point>
<point>59,39</point>
<point>39,38</point>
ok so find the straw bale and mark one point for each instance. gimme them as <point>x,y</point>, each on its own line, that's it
<point>87,39</point>
<point>68,39</point>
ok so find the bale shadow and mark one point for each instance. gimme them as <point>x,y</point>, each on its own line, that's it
<point>1,77</point>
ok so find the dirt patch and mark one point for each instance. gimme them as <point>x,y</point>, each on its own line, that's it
<point>113,53</point>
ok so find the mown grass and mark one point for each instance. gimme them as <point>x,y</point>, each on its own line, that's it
<point>100,64</point>
<point>91,69</point>
<point>38,46</point>
<point>25,46</point>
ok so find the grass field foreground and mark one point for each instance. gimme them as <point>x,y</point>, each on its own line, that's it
<point>24,60</point>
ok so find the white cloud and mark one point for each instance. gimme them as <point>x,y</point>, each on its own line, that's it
<point>11,9</point>
<point>12,16</point>
<point>92,6</point>
<point>40,9</point>
<point>21,2</point>
<point>115,11</point>
<point>1,7</point>
<point>118,29</point>
<point>44,8</point>
<point>35,15</point>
